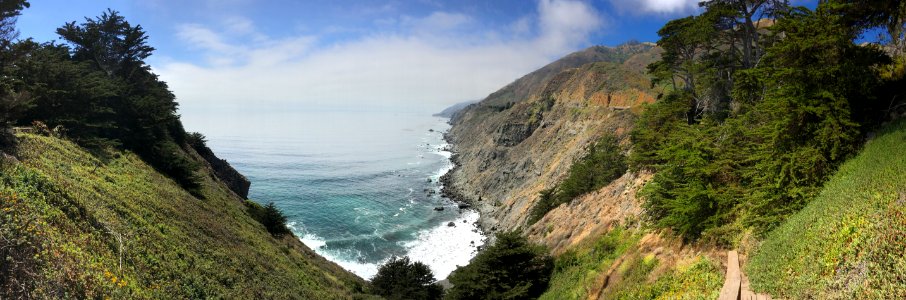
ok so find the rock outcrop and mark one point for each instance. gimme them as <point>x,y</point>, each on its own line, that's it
<point>590,215</point>
<point>523,139</point>
<point>234,180</point>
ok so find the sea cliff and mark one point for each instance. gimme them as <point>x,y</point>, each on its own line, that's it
<point>523,138</point>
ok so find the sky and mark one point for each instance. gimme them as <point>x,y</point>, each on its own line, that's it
<point>244,56</point>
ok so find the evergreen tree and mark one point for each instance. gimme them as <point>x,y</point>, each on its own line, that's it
<point>403,279</point>
<point>13,100</point>
<point>801,99</point>
<point>141,110</point>
<point>511,268</point>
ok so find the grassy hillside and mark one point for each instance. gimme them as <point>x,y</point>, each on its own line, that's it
<point>848,242</point>
<point>82,225</point>
<point>617,266</point>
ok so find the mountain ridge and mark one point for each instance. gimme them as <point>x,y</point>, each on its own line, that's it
<point>496,139</point>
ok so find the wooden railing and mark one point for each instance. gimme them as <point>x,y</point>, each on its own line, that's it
<point>23,129</point>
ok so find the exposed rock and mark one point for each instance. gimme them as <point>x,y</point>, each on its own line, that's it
<point>438,208</point>
<point>591,214</point>
<point>523,138</point>
<point>451,224</point>
<point>513,134</point>
<point>234,180</point>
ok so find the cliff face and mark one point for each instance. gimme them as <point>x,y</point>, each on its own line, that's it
<point>524,138</point>
<point>234,180</point>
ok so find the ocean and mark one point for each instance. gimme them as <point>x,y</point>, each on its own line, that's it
<point>358,187</point>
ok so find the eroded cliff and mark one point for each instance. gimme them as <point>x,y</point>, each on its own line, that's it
<point>524,138</point>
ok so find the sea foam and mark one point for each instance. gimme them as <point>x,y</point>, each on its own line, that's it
<point>445,247</point>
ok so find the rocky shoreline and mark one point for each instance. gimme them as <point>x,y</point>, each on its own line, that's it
<point>450,191</point>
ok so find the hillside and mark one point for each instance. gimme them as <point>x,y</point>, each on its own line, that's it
<point>523,138</point>
<point>507,155</point>
<point>634,57</point>
<point>107,225</point>
<point>849,242</point>
<point>737,142</point>
<point>453,109</point>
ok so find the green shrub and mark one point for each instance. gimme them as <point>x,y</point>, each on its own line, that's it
<point>401,279</point>
<point>196,140</point>
<point>512,268</point>
<point>547,201</point>
<point>270,216</point>
<point>603,163</point>
<point>170,159</point>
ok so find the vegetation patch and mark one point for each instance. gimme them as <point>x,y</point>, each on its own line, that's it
<point>402,279</point>
<point>849,242</point>
<point>754,121</point>
<point>702,279</point>
<point>576,270</point>
<point>270,216</point>
<point>603,163</point>
<point>511,268</point>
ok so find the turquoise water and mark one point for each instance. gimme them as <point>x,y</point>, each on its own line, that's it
<point>357,187</point>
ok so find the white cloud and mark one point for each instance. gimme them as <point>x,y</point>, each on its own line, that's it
<point>664,7</point>
<point>430,62</point>
<point>563,22</point>
<point>440,21</point>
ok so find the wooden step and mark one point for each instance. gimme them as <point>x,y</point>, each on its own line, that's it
<point>733,281</point>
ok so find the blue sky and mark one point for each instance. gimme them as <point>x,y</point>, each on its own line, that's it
<point>243,56</point>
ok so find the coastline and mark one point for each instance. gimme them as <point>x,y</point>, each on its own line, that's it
<point>449,235</point>
<point>450,191</point>
<point>345,226</point>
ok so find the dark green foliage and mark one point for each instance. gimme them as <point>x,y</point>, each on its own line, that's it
<point>651,128</point>
<point>547,201</point>
<point>402,279</point>
<point>887,14</point>
<point>13,100</point>
<point>9,11</point>
<point>68,93</point>
<point>110,43</point>
<point>805,130</point>
<point>512,268</point>
<point>790,119</point>
<point>196,140</point>
<point>270,216</point>
<point>100,90</point>
<point>603,163</point>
